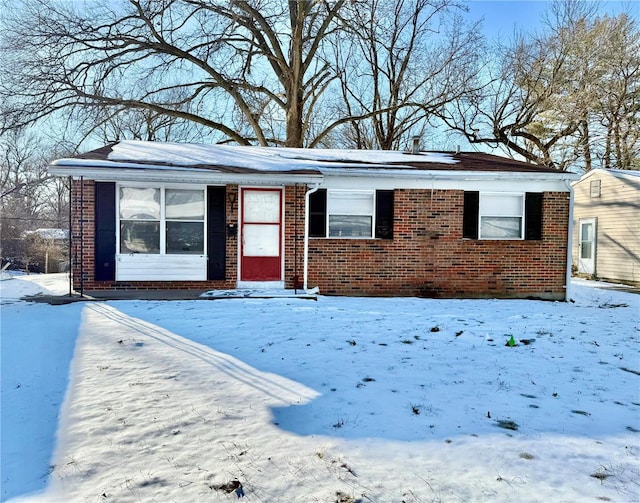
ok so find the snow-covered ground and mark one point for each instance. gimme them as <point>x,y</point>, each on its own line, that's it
<point>343,399</point>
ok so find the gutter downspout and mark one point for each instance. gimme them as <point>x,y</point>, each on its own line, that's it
<point>70,250</point>
<point>82,236</point>
<point>305,265</point>
<point>296,278</point>
<point>569,244</point>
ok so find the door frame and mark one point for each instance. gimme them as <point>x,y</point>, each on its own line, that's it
<point>248,283</point>
<point>587,266</point>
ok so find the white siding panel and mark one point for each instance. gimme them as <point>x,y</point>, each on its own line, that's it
<point>618,224</point>
<point>502,182</point>
<point>161,267</point>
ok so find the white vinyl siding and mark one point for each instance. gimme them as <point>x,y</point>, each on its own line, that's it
<point>617,234</point>
<point>141,267</point>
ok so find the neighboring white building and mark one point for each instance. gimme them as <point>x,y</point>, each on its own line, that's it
<point>606,216</point>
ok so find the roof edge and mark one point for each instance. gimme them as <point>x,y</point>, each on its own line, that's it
<point>618,173</point>
<point>183,175</point>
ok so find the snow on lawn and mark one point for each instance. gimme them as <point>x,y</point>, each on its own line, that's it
<point>343,399</point>
<point>36,347</point>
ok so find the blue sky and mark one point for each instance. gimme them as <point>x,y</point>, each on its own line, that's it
<point>501,17</point>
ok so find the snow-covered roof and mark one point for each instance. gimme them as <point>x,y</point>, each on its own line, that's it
<point>623,172</point>
<point>618,173</point>
<point>260,158</point>
<point>281,164</point>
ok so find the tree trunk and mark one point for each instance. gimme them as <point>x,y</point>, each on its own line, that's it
<point>295,136</point>
<point>294,85</point>
<point>616,142</point>
<point>586,147</point>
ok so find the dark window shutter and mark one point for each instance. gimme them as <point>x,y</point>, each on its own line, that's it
<point>470,214</point>
<point>533,216</point>
<point>216,232</point>
<point>105,237</point>
<point>384,214</point>
<point>318,214</point>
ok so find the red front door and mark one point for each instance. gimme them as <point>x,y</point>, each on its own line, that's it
<point>261,254</point>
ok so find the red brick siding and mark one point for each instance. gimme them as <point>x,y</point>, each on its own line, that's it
<point>231,262</point>
<point>429,257</point>
<point>82,232</point>
<point>294,199</point>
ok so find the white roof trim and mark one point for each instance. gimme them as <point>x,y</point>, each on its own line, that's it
<point>618,173</point>
<point>185,175</point>
<point>127,172</point>
<point>435,174</point>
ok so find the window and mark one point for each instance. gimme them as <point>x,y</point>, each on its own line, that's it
<point>184,213</point>
<point>161,221</point>
<point>139,220</point>
<point>502,215</point>
<point>586,240</point>
<point>351,214</point>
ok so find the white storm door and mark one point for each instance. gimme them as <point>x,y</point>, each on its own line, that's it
<point>261,254</point>
<point>587,251</point>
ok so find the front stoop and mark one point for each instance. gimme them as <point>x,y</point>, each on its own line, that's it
<point>251,293</point>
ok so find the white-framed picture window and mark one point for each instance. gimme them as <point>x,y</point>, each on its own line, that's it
<point>184,221</point>
<point>139,214</point>
<point>351,213</point>
<point>501,216</point>
<point>159,220</point>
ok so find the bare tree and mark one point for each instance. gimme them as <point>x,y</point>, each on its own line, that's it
<point>228,66</point>
<point>618,95</point>
<point>109,125</point>
<point>297,73</point>
<point>412,58</point>
<point>555,98</point>
<point>29,197</point>
<point>515,110</point>
<point>22,173</point>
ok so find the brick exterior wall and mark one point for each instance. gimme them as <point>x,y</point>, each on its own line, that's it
<point>294,199</point>
<point>83,238</point>
<point>427,256</point>
<point>82,232</point>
